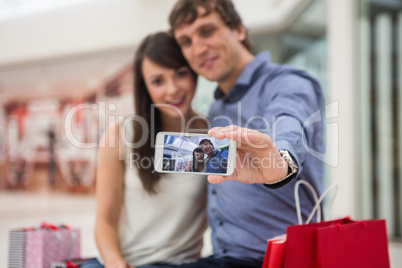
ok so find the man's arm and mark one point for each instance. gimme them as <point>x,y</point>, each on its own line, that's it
<point>292,100</point>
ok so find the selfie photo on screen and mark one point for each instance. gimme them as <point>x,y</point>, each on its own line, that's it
<point>195,154</point>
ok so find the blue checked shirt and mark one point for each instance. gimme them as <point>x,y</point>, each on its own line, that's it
<point>218,162</point>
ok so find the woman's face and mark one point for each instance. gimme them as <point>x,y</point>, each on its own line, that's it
<point>199,156</point>
<point>171,90</point>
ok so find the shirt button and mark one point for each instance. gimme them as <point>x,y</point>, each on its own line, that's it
<point>213,191</point>
<point>221,223</point>
<point>224,251</point>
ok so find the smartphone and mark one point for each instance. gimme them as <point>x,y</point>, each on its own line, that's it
<point>194,153</point>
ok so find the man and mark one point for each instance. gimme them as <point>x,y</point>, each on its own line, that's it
<point>272,111</point>
<point>216,160</point>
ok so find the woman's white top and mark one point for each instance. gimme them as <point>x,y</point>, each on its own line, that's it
<point>167,226</point>
<point>203,170</point>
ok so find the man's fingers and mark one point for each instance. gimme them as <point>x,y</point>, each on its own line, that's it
<point>257,138</point>
<point>247,139</point>
<point>231,132</point>
<point>214,179</point>
<point>235,135</point>
<point>246,136</point>
<point>213,131</point>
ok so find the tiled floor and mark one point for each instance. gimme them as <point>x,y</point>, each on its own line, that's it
<point>18,209</point>
<point>395,252</point>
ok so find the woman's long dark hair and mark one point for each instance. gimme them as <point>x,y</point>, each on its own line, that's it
<point>160,48</point>
<point>196,168</point>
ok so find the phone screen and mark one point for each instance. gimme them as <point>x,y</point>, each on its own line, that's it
<point>196,153</point>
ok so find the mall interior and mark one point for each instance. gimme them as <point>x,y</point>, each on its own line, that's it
<point>65,76</point>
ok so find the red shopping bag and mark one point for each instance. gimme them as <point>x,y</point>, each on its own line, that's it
<point>339,243</point>
<point>274,253</point>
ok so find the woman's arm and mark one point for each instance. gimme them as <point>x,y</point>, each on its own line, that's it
<point>109,199</point>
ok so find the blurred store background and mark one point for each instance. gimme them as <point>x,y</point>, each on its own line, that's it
<point>65,76</point>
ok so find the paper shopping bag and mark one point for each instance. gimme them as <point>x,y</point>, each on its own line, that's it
<point>39,247</point>
<point>339,243</point>
<point>274,253</point>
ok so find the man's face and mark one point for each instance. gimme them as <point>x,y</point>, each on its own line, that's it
<point>211,47</point>
<point>207,148</point>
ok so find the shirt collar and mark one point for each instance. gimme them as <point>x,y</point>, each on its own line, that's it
<point>213,154</point>
<point>245,78</point>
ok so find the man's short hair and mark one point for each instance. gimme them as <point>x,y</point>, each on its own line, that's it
<point>205,141</point>
<point>185,12</point>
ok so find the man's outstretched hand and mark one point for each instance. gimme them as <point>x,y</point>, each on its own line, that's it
<point>257,159</point>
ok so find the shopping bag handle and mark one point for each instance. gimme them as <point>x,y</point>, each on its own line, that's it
<point>317,200</point>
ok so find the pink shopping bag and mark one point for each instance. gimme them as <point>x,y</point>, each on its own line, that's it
<point>39,247</point>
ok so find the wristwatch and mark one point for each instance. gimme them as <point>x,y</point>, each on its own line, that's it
<point>292,169</point>
<point>292,166</point>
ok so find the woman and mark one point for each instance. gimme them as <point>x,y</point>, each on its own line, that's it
<point>145,218</point>
<point>198,164</point>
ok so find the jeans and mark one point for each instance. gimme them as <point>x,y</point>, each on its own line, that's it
<point>94,263</point>
<point>225,262</point>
